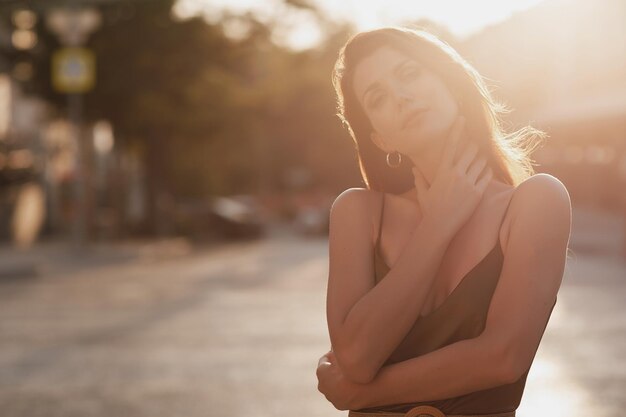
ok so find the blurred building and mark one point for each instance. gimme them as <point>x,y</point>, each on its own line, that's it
<point>39,149</point>
<point>20,160</point>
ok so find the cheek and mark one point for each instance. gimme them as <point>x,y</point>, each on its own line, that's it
<point>450,105</point>
<point>445,101</point>
<point>383,121</point>
<point>446,113</point>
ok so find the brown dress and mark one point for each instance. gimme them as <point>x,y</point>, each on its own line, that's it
<point>461,316</point>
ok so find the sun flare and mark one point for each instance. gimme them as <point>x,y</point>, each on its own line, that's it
<point>461,17</point>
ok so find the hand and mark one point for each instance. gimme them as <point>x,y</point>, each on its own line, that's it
<point>337,389</point>
<point>457,188</point>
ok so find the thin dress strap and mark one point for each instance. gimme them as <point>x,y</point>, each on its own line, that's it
<point>506,209</point>
<point>380,221</point>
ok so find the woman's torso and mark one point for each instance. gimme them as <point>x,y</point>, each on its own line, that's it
<point>457,307</point>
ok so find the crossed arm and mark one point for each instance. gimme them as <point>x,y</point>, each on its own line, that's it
<point>531,275</point>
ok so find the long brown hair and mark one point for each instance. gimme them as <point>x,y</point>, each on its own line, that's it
<point>508,154</point>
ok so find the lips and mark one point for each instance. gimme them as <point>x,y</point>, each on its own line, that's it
<point>412,115</point>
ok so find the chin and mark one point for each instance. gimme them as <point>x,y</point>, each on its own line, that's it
<point>425,134</point>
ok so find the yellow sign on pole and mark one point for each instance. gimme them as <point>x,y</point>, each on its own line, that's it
<point>73,70</point>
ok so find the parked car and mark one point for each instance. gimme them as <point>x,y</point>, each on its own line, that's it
<point>312,220</point>
<point>217,218</point>
<point>237,216</point>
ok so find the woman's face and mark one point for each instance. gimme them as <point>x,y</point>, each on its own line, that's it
<point>392,88</point>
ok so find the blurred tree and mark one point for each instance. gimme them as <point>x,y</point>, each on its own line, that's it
<point>212,114</point>
<point>217,115</point>
<point>178,92</point>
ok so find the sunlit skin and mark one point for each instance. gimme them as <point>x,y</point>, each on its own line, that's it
<point>389,85</point>
<point>534,237</point>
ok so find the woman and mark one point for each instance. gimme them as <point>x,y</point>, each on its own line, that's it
<point>444,271</point>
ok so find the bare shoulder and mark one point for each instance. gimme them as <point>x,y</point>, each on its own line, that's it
<point>354,206</point>
<point>350,196</point>
<point>542,190</point>
<point>543,201</point>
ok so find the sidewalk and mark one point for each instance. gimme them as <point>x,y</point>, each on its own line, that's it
<point>59,256</point>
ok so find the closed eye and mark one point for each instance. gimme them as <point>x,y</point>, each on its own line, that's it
<point>377,100</point>
<point>411,73</point>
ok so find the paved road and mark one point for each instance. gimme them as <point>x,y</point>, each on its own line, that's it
<point>237,331</point>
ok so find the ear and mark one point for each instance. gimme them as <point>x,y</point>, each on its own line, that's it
<point>379,141</point>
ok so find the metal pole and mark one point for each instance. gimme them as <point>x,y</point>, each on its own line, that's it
<point>75,110</point>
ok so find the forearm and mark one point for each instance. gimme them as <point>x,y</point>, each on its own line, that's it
<point>379,321</point>
<point>460,368</point>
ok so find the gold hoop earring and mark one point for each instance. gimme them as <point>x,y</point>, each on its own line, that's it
<point>396,164</point>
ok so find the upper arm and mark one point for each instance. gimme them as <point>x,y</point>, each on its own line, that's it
<point>351,269</point>
<point>532,270</point>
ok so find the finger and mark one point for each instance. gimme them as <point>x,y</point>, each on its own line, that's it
<point>452,141</point>
<point>476,167</point>
<point>323,359</point>
<point>420,182</point>
<point>484,179</point>
<point>321,370</point>
<point>469,155</point>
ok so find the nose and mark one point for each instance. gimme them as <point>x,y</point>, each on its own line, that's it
<point>403,97</point>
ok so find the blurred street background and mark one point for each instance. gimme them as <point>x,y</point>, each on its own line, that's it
<point>166,173</point>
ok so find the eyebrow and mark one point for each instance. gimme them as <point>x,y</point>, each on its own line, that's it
<point>376,84</point>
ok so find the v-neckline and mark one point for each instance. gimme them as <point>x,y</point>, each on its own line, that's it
<point>445,301</point>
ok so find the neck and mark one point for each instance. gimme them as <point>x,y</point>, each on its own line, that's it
<point>427,162</point>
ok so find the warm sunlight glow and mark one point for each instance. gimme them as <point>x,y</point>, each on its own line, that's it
<point>551,392</point>
<point>460,17</point>
<point>553,388</point>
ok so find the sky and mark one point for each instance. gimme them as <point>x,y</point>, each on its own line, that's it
<point>299,30</point>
